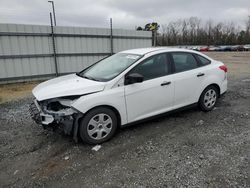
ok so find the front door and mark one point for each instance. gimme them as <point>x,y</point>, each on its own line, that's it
<point>155,94</point>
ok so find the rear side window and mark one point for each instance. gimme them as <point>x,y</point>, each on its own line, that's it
<point>183,61</point>
<point>153,67</point>
<point>203,60</point>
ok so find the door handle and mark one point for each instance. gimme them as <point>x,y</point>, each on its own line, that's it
<point>165,83</point>
<point>200,74</point>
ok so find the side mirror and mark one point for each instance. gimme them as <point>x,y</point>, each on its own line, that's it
<point>133,78</point>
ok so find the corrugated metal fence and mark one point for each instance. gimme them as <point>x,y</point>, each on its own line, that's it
<point>26,51</point>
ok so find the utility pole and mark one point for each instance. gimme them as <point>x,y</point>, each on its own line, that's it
<point>54,13</point>
<point>53,44</point>
<point>111,37</point>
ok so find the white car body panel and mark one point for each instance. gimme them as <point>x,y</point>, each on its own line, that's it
<point>141,100</point>
<point>149,98</point>
<point>66,86</point>
<point>112,97</point>
<point>186,84</point>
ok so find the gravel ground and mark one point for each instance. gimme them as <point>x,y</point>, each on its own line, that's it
<point>186,149</point>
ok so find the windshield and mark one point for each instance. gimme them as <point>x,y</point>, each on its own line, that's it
<point>110,67</point>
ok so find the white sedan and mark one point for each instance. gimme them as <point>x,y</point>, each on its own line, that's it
<point>128,87</point>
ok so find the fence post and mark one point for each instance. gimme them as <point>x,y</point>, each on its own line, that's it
<point>152,38</point>
<point>111,38</point>
<point>155,31</point>
<point>53,43</point>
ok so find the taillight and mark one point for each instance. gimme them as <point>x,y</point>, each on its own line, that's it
<point>223,67</point>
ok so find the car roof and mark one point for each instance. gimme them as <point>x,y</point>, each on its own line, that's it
<point>143,51</point>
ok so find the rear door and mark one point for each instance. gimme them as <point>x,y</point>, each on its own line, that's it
<point>188,78</point>
<point>155,94</point>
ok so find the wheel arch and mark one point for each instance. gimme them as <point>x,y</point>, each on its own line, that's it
<point>117,113</point>
<point>213,84</point>
<point>217,87</point>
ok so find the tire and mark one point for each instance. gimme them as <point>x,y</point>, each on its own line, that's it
<point>208,98</point>
<point>98,126</point>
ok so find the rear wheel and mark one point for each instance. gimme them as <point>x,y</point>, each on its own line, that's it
<point>208,98</point>
<point>98,125</point>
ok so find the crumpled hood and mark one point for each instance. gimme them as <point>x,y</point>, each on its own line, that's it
<point>66,86</point>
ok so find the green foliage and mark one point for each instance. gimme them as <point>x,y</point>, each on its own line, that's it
<point>149,27</point>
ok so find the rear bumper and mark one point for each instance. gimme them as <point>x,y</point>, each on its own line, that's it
<point>223,87</point>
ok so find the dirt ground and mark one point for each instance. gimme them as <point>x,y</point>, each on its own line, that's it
<point>186,149</point>
<point>10,92</point>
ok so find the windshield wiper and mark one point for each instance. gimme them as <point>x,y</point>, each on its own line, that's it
<point>87,77</point>
<point>78,74</point>
<point>91,78</point>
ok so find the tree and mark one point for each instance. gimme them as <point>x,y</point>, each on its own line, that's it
<point>147,27</point>
<point>247,37</point>
<point>193,31</point>
<point>184,32</point>
<point>139,28</point>
<point>193,22</point>
<point>151,26</point>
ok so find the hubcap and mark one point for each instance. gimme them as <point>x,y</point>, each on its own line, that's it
<point>210,98</point>
<point>99,126</point>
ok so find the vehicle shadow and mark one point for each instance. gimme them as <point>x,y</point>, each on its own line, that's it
<point>183,113</point>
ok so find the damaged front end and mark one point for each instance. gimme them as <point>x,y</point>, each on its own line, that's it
<point>57,113</point>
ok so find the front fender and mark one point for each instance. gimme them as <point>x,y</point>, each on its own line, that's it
<point>111,97</point>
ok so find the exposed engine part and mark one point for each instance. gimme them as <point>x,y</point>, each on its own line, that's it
<point>57,107</point>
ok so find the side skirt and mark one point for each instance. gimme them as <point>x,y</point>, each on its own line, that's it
<point>160,115</point>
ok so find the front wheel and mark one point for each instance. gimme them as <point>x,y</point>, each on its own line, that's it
<point>98,125</point>
<point>208,98</point>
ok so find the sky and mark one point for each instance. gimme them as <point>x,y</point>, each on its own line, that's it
<point>126,14</point>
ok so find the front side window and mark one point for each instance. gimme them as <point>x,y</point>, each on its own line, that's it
<point>183,61</point>
<point>110,67</point>
<point>153,67</point>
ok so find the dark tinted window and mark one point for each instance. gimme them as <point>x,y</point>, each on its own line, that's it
<point>203,60</point>
<point>153,67</point>
<point>183,61</point>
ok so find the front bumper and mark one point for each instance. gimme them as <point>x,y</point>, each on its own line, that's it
<point>52,119</point>
<point>68,120</point>
<point>38,115</point>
